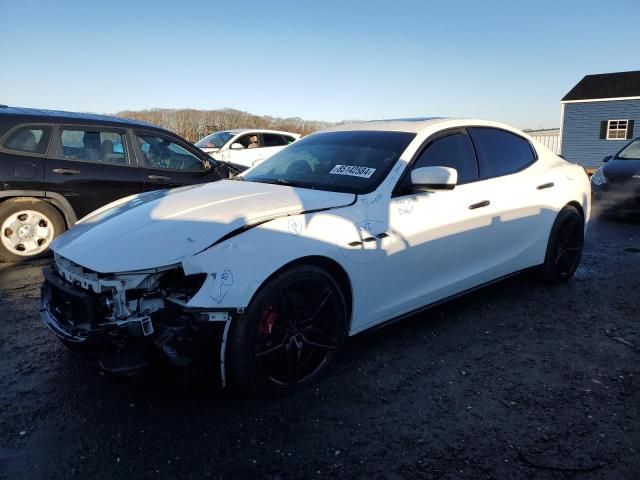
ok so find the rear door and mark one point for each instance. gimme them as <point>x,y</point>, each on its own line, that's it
<point>169,163</point>
<point>23,151</point>
<point>517,187</point>
<point>91,166</point>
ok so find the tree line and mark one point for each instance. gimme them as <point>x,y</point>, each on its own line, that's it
<point>194,124</point>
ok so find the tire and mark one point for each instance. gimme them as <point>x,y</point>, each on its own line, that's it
<point>27,228</point>
<point>291,333</point>
<point>564,249</point>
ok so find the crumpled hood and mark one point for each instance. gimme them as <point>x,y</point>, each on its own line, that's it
<point>163,227</point>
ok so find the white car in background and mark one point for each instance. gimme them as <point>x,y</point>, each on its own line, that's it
<point>340,232</point>
<point>245,148</point>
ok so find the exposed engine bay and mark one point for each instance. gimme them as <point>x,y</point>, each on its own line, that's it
<point>134,315</point>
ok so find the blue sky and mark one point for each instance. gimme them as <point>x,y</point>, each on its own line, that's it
<point>326,60</point>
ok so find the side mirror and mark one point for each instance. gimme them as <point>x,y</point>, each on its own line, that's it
<point>208,166</point>
<point>607,158</point>
<point>237,146</point>
<point>434,178</point>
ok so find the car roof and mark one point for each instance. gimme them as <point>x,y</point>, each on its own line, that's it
<point>414,125</point>
<point>237,131</point>
<point>60,116</point>
<point>417,125</point>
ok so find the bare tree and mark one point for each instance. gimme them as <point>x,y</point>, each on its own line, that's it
<point>194,124</point>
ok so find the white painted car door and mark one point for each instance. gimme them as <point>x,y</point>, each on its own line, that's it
<point>433,245</point>
<point>252,151</point>
<point>519,194</point>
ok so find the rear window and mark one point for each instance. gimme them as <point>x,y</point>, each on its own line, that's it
<point>500,152</point>
<point>93,146</point>
<point>29,139</point>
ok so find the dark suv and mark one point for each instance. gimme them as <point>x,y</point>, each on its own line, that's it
<point>56,167</point>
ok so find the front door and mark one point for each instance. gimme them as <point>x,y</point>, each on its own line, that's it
<point>252,152</point>
<point>432,244</point>
<point>167,164</point>
<point>91,166</point>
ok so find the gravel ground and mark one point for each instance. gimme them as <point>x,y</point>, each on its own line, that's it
<point>518,380</point>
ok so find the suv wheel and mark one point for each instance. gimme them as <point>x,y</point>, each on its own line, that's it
<point>27,228</point>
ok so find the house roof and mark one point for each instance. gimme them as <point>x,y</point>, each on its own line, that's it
<point>606,85</point>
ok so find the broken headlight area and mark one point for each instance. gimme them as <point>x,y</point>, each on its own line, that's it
<point>127,320</point>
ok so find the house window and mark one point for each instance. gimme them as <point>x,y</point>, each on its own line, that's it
<point>617,129</point>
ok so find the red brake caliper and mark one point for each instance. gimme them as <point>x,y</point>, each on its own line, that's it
<point>268,321</point>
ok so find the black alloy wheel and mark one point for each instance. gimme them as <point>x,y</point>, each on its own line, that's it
<point>291,334</point>
<point>564,249</point>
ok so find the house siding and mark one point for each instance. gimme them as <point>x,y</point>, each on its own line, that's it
<point>581,141</point>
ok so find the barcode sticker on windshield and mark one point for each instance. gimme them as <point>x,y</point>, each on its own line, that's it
<point>352,170</point>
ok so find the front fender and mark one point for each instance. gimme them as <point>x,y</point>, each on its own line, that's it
<point>237,267</point>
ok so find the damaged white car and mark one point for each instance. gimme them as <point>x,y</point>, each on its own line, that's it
<point>340,232</point>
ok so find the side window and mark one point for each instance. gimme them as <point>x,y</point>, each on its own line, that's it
<point>500,152</point>
<point>252,140</point>
<point>273,140</point>
<point>159,152</point>
<point>93,146</point>
<point>29,139</point>
<point>455,151</point>
<point>289,139</point>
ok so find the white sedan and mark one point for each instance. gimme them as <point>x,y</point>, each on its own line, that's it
<point>245,148</point>
<point>340,232</point>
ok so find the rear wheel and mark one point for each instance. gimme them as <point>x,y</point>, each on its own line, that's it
<point>27,228</point>
<point>564,249</point>
<point>290,334</point>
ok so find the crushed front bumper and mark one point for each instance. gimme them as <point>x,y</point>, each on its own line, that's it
<point>175,335</point>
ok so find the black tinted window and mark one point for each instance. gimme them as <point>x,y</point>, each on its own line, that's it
<point>29,139</point>
<point>500,152</point>
<point>93,146</point>
<point>455,151</point>
<point>159,152</point>
<point>273,140</point>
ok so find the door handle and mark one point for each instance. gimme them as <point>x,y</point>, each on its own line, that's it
<point>481,204</point>
<point>158,177</point>
<point>545,185</point>
<point>65,171</point>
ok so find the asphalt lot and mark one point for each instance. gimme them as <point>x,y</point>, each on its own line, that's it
<point>519,380</point>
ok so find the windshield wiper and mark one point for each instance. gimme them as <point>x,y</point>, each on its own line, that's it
<point>286,183</point>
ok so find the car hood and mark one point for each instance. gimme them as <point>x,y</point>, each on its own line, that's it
<point>163,227</point>
<point>621,169</point>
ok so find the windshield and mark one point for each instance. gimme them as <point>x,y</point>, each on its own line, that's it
<point>631,151</point>
<point>351,162</point>
<point>215,140</point>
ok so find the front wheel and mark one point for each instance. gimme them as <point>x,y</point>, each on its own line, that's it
<point>290,334</point>
<point>564,249</point>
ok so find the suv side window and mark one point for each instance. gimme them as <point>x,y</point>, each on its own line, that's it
<point>454,151</point>
<point>29,139</point>
<point>500,152</point>
<point>289,139</point>
<point>159,152</point>
<point>251,140</point>
<point>93,145</point>
<point>273,140</point>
